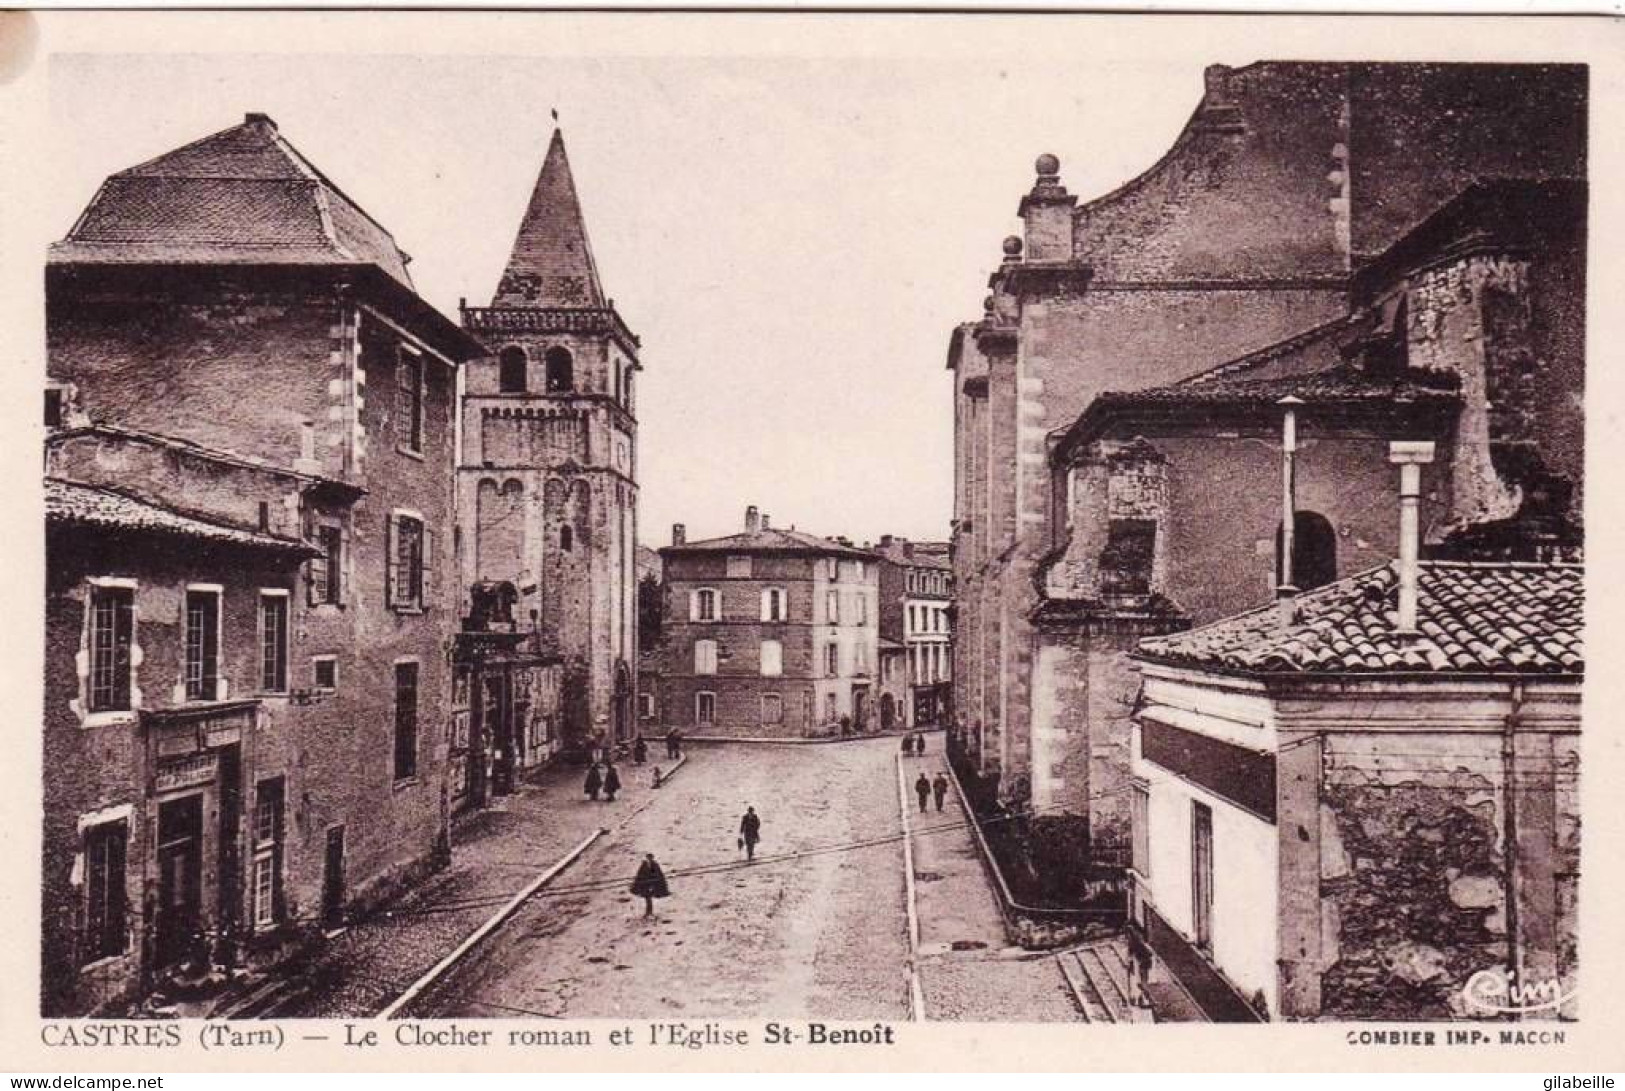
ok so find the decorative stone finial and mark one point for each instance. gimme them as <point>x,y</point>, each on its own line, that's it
<point>987,304</point>
<point>1012,247</point>
<point>1047,165</point>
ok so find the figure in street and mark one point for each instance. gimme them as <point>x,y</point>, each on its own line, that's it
<point>612,782</point>
<point>659,777</point>
<point>919,745</point>
<point>750,832</point>
<point>922,788</point>
<point>595,781</point>
<point>908,745</point>
<point>650,884</point>
<point>939,789</point>
<point>640,751</point>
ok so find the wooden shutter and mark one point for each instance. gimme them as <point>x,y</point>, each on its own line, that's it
<point>424,596</point>
<point>392,553</point>
<point>693,606</point>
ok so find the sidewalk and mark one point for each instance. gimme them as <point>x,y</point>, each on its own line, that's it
<point>967,971</point>
<point>495,853</point>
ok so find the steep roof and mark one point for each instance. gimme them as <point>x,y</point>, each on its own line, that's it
<point>72,503</point>
<point>552,264</point>
<point>1473,618</point>
<point>772,540</point>
<point>244,195</point>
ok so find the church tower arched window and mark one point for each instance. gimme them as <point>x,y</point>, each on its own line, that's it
<point>560,370</point>
<point>511,366</point>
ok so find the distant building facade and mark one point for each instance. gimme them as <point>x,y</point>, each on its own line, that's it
<point>1121,407</point>
<point>249,463</point>
<point>548,484</point>
<point>769,633</point>
<point>916,610</point>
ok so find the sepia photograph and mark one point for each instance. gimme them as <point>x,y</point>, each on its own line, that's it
<point>854,539</point>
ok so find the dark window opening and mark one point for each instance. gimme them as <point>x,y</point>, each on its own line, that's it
<point>325,579</point>
<point>1126,561</point>
<point>406,720</point>
<point>566,538</point>
<point>511,365</point>
<point>53,407</point>
<point>325,673</point>
<point>410,433</point>
<point>1314,551</point>
<point>1202,875</point>
<point>560,370</point>
<point>273,643</point>
<point>104,890</point>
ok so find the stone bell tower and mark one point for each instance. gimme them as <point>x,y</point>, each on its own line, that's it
<point>548,477</point>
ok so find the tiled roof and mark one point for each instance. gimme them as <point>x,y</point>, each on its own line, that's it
<point>1338,384</point>
<point>86,505</point>
<point>241,196</point>
<point>772,540</point>
<point>1473,618</point>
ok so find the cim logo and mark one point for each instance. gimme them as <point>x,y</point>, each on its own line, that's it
<point>1501,993</point>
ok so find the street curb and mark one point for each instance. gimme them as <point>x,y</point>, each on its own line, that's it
<point>417,987</point>
<point>916,994</point>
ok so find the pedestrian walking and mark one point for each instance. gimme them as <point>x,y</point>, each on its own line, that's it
<point>650,884</point>
<point>750,832</point>
<point>908,745</point>
<point>919,745</point>
<point>922,788</point>
<point>640,751</point>
<point>612,783</point>
<point>939,789</point>
<point>659,779</point>
<point>595,781</point>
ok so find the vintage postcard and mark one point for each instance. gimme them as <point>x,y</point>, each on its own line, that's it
<point>820,541</point>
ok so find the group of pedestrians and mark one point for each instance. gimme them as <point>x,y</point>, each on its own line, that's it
<point>603,777</point>
<point>651,883</point>
<point>914,744</point>
<point>926,787</point>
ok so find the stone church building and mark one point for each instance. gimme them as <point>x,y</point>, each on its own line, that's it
<point>547,483</point>
<point>1391,252</point>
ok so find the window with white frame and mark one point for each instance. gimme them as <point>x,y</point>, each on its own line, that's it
<point>112,633</point>
<point>273,641</point>
<point>705,708</point>
<point>832,568</point>
<point>705,657</point>
<point>775,604</point>
<point>202,643</point>
<point>646,706</point>
<point>863,608</point>
<point>832,707</point>
<point>860,658</point>
<point>772,658</point>
<point>702,605</point>
<point>324,573</point>
<point>832,607</point>
<point>832,660</point>
<point>772,708</point>
<point>1140,828</point>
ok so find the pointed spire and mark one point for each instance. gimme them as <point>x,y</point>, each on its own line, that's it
<point>552,264</point>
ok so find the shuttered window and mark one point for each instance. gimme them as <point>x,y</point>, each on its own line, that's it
<point>705,657</point>
<point>411,558</point>
<point>410,404</point>
<point>105,849</point>
<point>772,658</point>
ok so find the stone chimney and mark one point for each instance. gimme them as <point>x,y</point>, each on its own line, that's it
<point>262,121</point>
<point>767,523</point>
<point>1047,211</point>
<point>679,534</point>
<point>1410,456</point>
<point>753,520</point>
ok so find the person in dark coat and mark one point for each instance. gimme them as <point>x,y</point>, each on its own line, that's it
<point>908,745</point>
<point>919,745</point>
<point>612,782</point>
<point>939,789</point>
<point>640,751</point>
<point>650,884</point>
<point>671,743</point>
<point>922,788</point>
<point>595,781</point>
<point>750,832</point>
